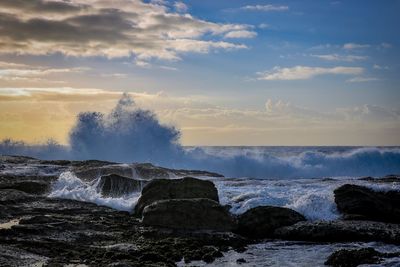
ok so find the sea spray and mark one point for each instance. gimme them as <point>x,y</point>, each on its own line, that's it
<point>69,186</point>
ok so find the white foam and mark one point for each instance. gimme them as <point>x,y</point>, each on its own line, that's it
<point>71,187</point>
<point>314,198</point>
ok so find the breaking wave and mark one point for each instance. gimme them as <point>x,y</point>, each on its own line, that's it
<point>69,186</point>
<point>130,134</point>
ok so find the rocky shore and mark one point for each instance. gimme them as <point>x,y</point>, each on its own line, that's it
<point>175,220</point>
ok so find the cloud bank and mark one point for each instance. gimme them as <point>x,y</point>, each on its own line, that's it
<point>121,28</point>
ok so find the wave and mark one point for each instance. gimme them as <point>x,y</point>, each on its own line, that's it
<point>130,134</point>
<point>69,186</point>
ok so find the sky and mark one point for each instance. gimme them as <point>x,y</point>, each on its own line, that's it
<point>225,72</point>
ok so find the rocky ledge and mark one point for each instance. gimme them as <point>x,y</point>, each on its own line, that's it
<point>175,220</point>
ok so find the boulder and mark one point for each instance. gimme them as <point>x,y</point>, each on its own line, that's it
<point>188,214</point>
<point>260,222</point>
<point>368,204</point>
<point>356,257</point>
<point>185,188</point>
<point>353,257</point>
<point>114,185</point>
<point>341,231</point>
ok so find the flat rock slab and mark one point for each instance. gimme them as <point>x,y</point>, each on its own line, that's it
<point>188,214</point>
<point>341,231</point>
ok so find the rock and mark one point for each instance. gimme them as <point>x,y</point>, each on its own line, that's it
<point>372,205</point>
<point>353,258</point>
<point>114,185</point>
<point>340,231</point>
<point>9,196</point>
<point>184,188</point>
<point>188,214</point>
<point>36,185</point>
<point>260,222</point>
<point>383,180</point>
<point>240,261</point>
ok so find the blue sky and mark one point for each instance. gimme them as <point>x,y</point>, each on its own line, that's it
<point>289,69</point>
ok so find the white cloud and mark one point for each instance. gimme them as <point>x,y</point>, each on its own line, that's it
<point>181,7</point>
<point>241,34</point>
<point>360,79</point>
<point>336,57</point>
<point>119,28</point>
<point>16,72</point>
<point>352,46</point>
<point>265,8</point>
<point>263,26</point>
<point>304,72</point>
<point>379,67</point>
<point>386,45</point>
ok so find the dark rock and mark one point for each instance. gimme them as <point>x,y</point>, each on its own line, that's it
<point>30,187</point>
<point>188,214</point>
<point>184,188</point>
<point>340,231</point>
<point>383,180</point>
<point>372,205</point>
<point>9,196</point>
<point>353,258</point>
<point>240,261</point>
<point>116,186</point>
<point>260,222</point>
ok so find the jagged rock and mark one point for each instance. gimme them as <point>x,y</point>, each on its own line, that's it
<point>353,257</point>
<point>260,222</point>
<point>188,214</point>
<point>184,188</point>
<point>116,186</point>
<point>340,231</point>
<point>372,205</point>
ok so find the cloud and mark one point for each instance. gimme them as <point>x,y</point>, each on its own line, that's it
<point>336,57</point>
<point>265,8</point>
<point>304,72</point>
<point>241,34</point>
<point>263,26</point>
<point>121,28</point>
<point>362,79</point>
<point>181,7</point>
<point>379,67</point>
<point>352,46</point>
<point>13,71</point>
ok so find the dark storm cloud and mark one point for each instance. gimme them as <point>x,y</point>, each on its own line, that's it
<point>42,6</point>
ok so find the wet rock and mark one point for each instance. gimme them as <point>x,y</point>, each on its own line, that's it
<point>240,261</point>
<point>383,180</point>
<point>260,222</point>
<point>372,205</point>
<point>340,231</point>
<point>90,173</point>
<point>184,188</point>
<point>114,185</point>
<point>9,196</point>
<point>188,214</point>
<point>353,258</point>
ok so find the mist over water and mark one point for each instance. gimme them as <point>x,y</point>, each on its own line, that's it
<point>131,134</point>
